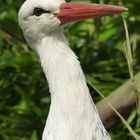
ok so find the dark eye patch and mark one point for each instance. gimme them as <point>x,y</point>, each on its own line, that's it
<point>38,12</point>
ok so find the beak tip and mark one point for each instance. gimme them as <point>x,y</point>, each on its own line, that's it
<point>116,8</point>
<point>124,9</point>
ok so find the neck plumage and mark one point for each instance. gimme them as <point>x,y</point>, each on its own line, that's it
<point>62,69</point>
<point>72,110</point>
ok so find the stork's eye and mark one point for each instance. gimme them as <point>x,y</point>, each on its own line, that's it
<point>38,12</point>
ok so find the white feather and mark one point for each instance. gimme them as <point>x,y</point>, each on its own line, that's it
<point>73,115</point>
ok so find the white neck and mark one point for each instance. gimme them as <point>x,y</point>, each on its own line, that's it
<point>72,112</point>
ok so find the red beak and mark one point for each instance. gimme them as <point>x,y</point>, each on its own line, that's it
<point>77,11</point>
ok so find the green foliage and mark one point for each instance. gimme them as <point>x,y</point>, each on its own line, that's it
<point>24,94</point>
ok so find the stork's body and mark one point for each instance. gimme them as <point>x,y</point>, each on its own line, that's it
<point>73,115</point>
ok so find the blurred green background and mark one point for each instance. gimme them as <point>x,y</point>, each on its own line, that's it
<point>99,44</point>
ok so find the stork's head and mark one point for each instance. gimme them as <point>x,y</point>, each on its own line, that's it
<point>39,18</point>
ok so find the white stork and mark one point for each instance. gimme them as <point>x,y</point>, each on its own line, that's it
<point>73,115</point>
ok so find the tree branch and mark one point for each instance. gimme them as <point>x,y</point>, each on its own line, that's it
<point>123,99</point>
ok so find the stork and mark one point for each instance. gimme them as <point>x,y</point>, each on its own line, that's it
<point>72,115</point>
